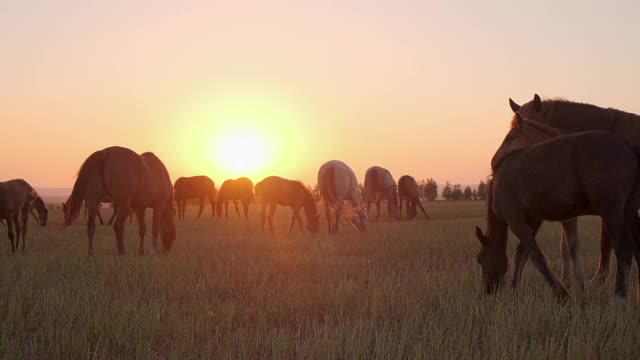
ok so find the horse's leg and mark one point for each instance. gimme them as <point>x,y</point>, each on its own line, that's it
<point>122,211</point>
<point>378,208</point>
<point>605,254</point>
<point>573,245</point>
<point>564,254</point>
<point>92,209</point>
<point>522,255</point>
<point>201,204</point>
<point>300,222</point>
<point>245,207</point>
<point>155,228</point>
<point>400,209</point>
<point>263,216</point>
<point>16,224</point>
<point>327,212</point>
<point>235,204</point>
<point>339,208</point>
<point>294,217</point>
<point>113,216</point>
<point>100,218</point>
<point>272,211</point>
<point>527,234</point>
<point>422,209</point>
<point>25,218</point>
<point>226,208</point>
<point>623,248</point>
<point>11,234</point>
<point>212,201</point>
<point>142,229</point>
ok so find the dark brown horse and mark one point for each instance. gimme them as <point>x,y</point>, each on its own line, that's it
<point>379,185</point>
<point>408,190</point>
<point>274,191</point>
<point>571,117</point>
<point>194,187</point>
<point>16,200</point>
<point>588,173</point>
<point>131,181</point>
<point>337,184</point>
<point>234,190</point>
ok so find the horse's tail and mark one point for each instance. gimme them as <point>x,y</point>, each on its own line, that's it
<point>92,165</point>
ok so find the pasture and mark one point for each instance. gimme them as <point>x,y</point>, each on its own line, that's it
<point>227,290</point>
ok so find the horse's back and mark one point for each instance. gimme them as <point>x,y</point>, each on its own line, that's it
<point>560,175</point>
<point>280,190</point>
<point>193,186</point>
<point>338,181</point>
<point>407,186</point>
<point>13,195</point>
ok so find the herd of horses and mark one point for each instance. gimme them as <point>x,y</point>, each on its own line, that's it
<point>133,183</point>
<point>559,160</point>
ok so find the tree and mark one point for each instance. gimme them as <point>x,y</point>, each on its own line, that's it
<point>467,195</point>
<point>474,195</point>
<point>430,189</point>
<point>447,192</point>
<point>482,191</point>
<point>456,194</point>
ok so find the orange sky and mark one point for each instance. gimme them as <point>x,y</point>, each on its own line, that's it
<point>418,87</point>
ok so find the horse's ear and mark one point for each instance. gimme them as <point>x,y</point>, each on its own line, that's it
<point>514,107</point>
<point>480,235</point>
<point>537,103</point>
<point>519,120</point>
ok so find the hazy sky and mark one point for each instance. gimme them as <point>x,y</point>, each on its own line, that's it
<point>418,87</point>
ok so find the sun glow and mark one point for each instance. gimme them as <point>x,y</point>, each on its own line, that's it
<point>242,151</point>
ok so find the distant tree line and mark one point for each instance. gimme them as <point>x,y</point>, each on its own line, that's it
<point>428,190</point>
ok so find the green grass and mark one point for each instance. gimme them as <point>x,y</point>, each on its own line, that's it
<point>402,290</point>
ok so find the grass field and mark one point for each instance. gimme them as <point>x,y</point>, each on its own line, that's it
<point>401,290</point>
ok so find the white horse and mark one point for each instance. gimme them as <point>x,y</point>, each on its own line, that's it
<point>338,183</point>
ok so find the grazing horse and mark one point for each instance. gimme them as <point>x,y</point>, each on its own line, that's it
<point>274,191</point>
<point>408,190</point>
<point>378,185</point>
<point>131,181</point>
<point>570,117</point>
<point>39,211</point>
<point>16,200</point>
<point>191,188</point>
<point>234,190</point>
<point>338,183</point>
<point>588,173</point>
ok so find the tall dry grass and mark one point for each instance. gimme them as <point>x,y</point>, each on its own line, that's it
<point>402,290</point>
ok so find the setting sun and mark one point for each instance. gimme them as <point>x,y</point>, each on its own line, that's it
<point>241,151</point>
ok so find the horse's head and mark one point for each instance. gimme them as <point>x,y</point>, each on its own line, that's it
<point>168,227</point>
<point>494,263</point>
<point>41,209</point>
<point>531,110</point>
<point>524,132</point>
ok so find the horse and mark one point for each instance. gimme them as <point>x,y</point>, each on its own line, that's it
<point>378,185</point>
<point>131,181</point>
<point>194,187</point>
<point>104,200</point>
<point>587,173</point>
<point>234,190</point>
<point>39,211</point>
<point>571,117</point>
<point>408,190</point>
<point>338,183</point>
<point>274,191</point>
<point>16,200</point>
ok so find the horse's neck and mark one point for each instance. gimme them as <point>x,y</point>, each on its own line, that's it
<point>497,228</point>
<point>571,118</point>
<point>309,206</point>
